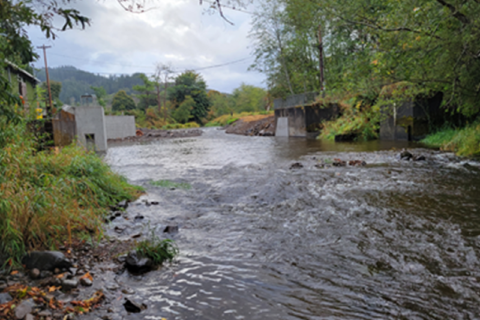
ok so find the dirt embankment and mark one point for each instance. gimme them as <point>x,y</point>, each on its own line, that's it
<point>260,125</point>
<point>151,134</point>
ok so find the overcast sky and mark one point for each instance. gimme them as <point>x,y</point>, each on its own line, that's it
<point>179,32</point>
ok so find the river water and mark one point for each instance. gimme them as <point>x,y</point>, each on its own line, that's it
<point>390,240</point>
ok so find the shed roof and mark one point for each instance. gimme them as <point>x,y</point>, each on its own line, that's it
<point>22,71</point>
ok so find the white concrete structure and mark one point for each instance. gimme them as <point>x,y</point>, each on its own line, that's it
<point>281,129</point>
<point>119,127</point>
<point>90,122</point>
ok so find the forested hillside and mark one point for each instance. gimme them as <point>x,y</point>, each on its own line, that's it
<point>76,82</point>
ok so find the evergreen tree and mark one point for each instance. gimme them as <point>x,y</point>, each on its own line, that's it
<point>122,101</point>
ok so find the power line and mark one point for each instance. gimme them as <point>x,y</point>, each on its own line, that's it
<point>178,70</point>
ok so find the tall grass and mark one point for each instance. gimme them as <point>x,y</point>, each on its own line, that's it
<point>464,141</point>
<point>47,197</point>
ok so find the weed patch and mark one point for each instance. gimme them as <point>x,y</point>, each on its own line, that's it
<point>171,184</point>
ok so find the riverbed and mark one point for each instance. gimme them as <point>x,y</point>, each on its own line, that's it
<point>260,239</point>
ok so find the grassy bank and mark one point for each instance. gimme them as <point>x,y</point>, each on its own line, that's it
<point>50,197</point>
<point>230,118</point>
<point>464,141</point>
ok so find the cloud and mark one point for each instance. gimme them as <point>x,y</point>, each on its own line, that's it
<point>178,32</point>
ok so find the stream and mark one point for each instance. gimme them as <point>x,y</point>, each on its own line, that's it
<point>258,239</point>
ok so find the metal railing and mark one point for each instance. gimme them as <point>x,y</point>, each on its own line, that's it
<point>295,100</point>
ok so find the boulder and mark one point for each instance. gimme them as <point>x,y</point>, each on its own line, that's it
<point>136,263</point>
<point>46,260</point>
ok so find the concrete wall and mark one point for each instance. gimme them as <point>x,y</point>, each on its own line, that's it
<point>413,119</point>
<point>91,121</point>
<point>119,127</point>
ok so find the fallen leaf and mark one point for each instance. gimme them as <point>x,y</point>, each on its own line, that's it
<point>14,272</point>
<point>87,276</point>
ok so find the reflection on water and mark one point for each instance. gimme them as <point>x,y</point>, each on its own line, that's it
<point>392,240</point>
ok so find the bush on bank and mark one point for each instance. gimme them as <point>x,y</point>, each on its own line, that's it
<point>49,197</point>
<point>464,141</point>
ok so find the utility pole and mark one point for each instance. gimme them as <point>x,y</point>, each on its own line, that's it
<point>44,47</point>
<point>320,49</point>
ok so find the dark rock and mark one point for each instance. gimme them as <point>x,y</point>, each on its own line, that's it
<point>319,166</point>
<point>122,258</point>
<point>69,284</point>
<point>133,306</point>
<point>45,260</point>
<point>419,158</point>
<point>139,217</point>
<point>296,165</point>
<point>86,282</point>
<point>137,263</point>
<point>24,308</point>
<point>119,229</point>
<point>405,155</point>
<point>34,273</point>
<point>137,235</point>
<point>339,163</point>
<point>155,203</point>
<point>357,163</point>
<point>45,274</point>
<point>4,298</point>
<point>170,229</point>
<point>117,214</point>
<point>123,204</point>
<point>128,291</point>
<point>44,313</point>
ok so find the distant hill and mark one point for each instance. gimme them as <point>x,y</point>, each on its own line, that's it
<point>77,82</point>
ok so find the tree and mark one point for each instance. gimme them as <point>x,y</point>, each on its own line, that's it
<point>162,72</point>
<point>248,98</point>
<point>122,101</point>
<point>183,113</point>
<point>191,84</point>
<point>100,93</point>
<point>146,92</point>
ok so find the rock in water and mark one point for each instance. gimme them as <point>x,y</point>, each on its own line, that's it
<point>46,260</point>
<point>405,155</point>
<point>134,306</point>
<point>171,229</point>
<point>296,165</point>
<point>137,263</point>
